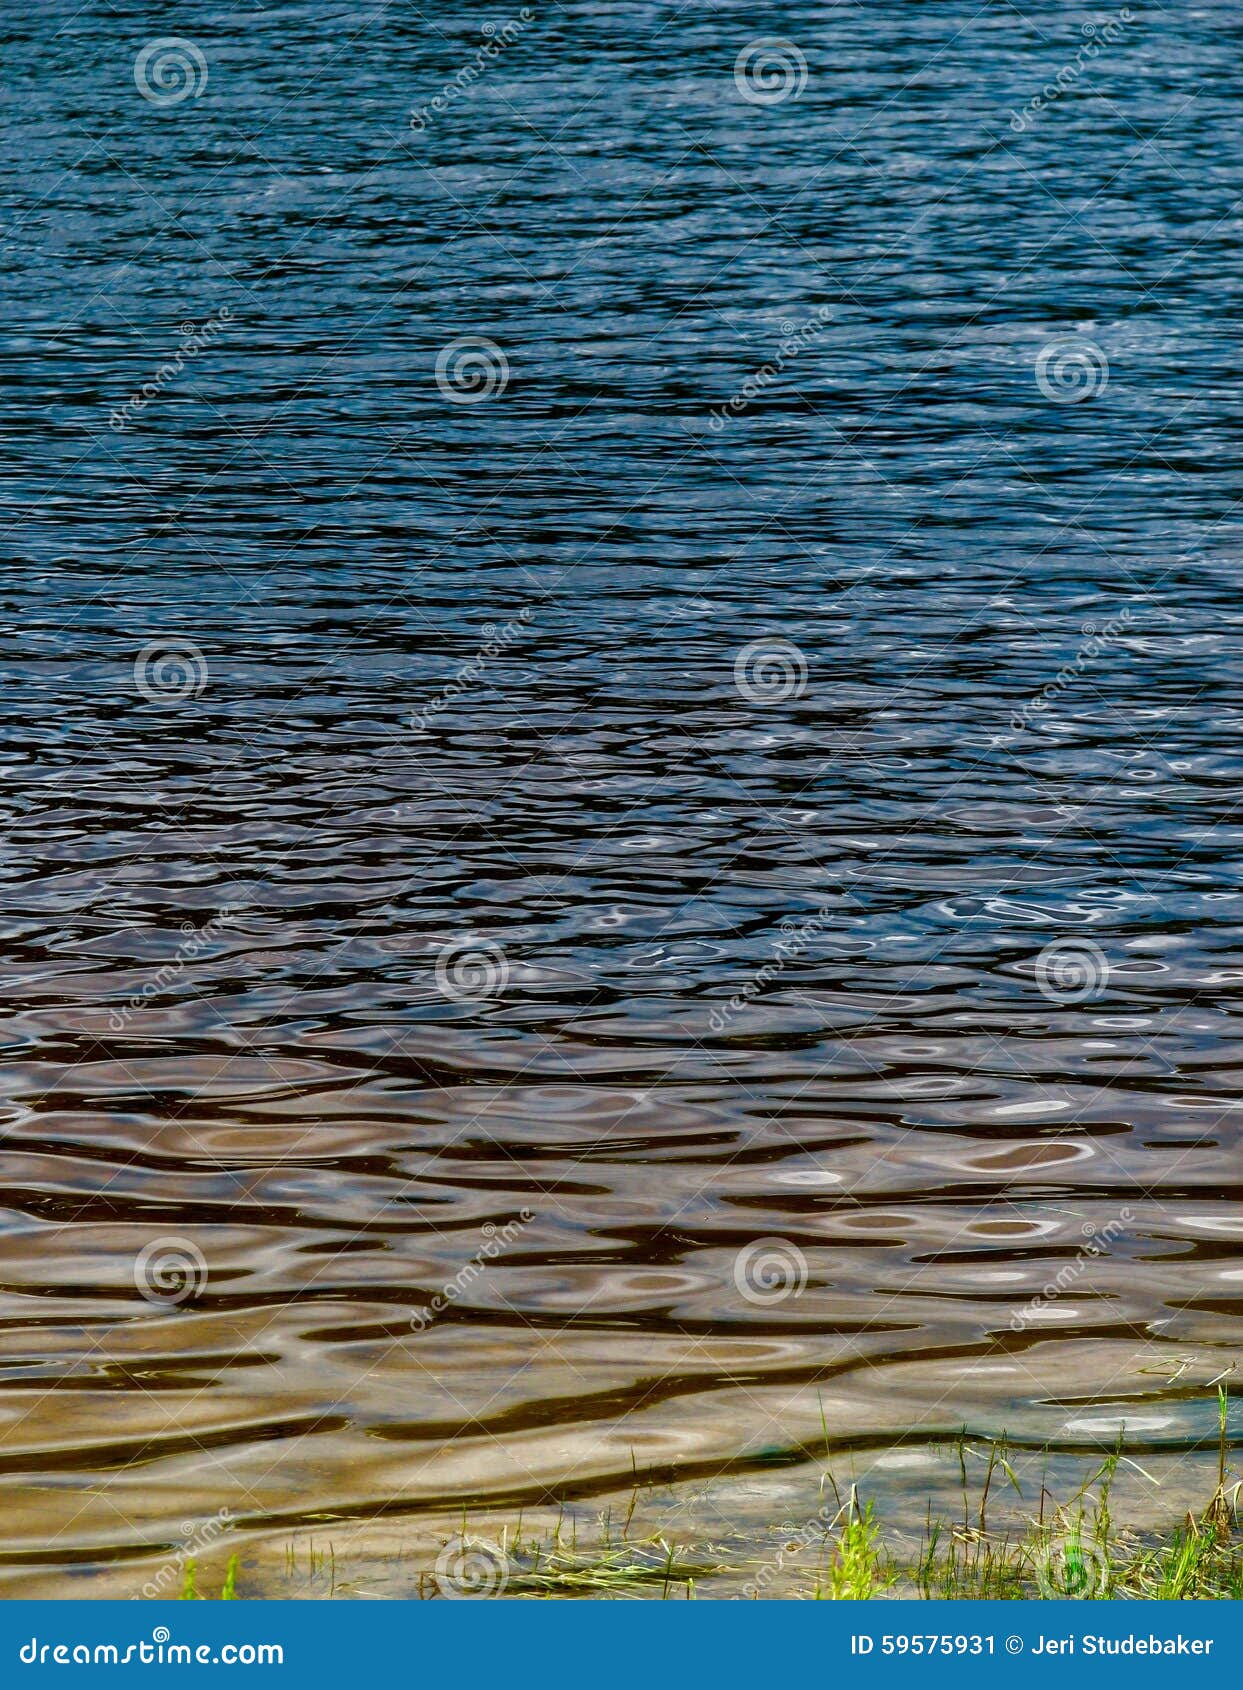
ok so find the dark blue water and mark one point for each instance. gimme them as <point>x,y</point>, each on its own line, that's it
<point>739,768</point>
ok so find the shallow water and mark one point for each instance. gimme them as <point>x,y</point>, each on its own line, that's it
<point>816,826</point>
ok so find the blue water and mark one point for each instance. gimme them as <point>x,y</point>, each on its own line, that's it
<point>748,754</point>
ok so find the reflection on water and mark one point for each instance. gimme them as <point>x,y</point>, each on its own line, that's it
<point>553,939</point>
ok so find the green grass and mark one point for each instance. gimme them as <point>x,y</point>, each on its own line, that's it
<point>1047,1550</point>
<point>858,1566</point>
<point>1069,1550</point>
<point>614,1563</point>
<point>228,1591</point>
<point>622,1568</point>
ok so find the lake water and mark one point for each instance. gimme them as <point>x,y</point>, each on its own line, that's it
<point>621,748</point>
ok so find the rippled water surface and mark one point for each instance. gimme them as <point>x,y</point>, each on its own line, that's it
<point>560,929</point>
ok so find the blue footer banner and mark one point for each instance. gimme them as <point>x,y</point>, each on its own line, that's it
<point>612,1644</point>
